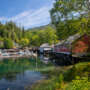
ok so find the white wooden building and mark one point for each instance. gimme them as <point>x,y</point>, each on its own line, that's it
<point>45,48</point>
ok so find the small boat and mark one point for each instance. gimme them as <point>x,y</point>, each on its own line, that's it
<point>5,54</point>
<point>34,54</point>
<point>21,53</point>
<point>27,52</point>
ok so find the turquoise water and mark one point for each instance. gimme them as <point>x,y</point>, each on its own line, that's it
<point>16,74</point>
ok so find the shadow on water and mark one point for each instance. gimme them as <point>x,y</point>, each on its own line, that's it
<point>16,74</point>
<point>66,60</point>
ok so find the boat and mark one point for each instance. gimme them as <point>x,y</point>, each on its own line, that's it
<point>21,53</point>
<point>5,54</point>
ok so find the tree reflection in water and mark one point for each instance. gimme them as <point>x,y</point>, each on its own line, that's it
<point>17,73</point>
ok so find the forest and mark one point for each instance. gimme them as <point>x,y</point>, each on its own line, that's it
<point>11,35</point>
<point>68,18</point>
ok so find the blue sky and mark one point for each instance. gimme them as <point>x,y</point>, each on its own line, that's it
<point>27,13</point>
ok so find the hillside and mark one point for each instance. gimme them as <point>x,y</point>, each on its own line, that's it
<point>41,27</point>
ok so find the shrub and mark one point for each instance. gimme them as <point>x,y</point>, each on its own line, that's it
<point>81,69</point>
<point>24,42</point>
<point>79,84</point>
<point>8,43</point>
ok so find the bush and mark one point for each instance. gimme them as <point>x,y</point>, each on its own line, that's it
<point>79,84</point>
<point>60,85</point>
<point>74,78</point>
<point>8,43</point>
<point>81,69</point>
<point>24,42</point>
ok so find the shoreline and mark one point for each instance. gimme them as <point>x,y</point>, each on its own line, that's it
<point>6,57</point>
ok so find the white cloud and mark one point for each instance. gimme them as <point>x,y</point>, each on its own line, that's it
<point>3,19</point>
<point>31,18</point>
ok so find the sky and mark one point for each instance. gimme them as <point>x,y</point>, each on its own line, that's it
<point>27,13</point>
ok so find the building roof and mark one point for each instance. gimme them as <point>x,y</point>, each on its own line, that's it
<point>45,45</point>
<point>69,41</point>
<point>60,43</point>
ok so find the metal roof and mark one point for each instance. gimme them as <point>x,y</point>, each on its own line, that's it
<point>45,45</point>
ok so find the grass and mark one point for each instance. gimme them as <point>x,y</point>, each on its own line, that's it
<point>74,77</point>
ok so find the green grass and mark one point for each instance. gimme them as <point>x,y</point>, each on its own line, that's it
<point>66,78</point>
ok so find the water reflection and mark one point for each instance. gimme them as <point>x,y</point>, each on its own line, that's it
<point>45,58</point>
<point>16,74</point>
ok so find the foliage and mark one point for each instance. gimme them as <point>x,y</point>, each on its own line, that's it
<point>1,43</point>
<point>31,37</point>
<point>8,43</point>
<point>10,30</point>
<point>68,28</point>
<point>64,9</point>
<point>60,83</point>
<point>24,42</point>
<point>79,84</point>
<point>81,69</point>
<point>35,40</point>
<point>11,33</point>
<point>69,78</point>
<point>70,17</point>
<point>38,37</point>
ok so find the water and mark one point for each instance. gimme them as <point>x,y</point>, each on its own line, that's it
<point>16,74</point>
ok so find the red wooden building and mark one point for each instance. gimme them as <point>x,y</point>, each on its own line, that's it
<point>81,45</point>
<point>74,44</point>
